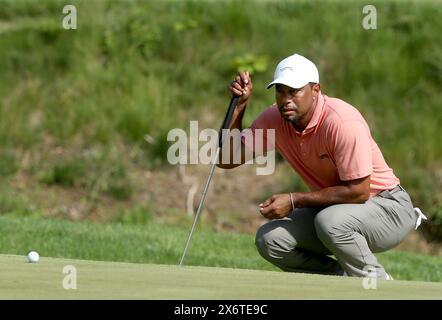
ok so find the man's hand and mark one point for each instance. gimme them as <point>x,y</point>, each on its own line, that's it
<point>242,87</point>
<point>276,207</point>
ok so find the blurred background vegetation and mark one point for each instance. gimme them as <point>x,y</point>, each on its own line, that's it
<point>88,110</point>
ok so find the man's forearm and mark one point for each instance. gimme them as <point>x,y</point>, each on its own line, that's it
<point>237,117</point>
<point>329,196</point>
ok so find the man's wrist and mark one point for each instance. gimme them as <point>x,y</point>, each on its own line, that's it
<point>291,201</point>
<point>296,198</point>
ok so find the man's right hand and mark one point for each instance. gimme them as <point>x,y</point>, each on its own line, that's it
<point>242,86</point>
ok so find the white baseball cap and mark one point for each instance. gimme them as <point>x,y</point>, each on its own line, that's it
<point>295,71</point>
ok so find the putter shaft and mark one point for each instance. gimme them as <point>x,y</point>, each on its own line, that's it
<point>222,136</point>
<point>195,219</point>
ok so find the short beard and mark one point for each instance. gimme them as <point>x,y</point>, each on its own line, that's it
<point>293,121</point>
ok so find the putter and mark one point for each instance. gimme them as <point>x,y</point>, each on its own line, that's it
<point>227,119</point>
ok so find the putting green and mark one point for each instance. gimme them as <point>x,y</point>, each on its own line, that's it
<point>111,280</point>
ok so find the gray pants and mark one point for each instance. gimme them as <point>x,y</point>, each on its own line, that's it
<point>305,240</point>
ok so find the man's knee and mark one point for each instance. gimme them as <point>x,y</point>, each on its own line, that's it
<point>330,223</point>
<point>272,239</point>
<point>264,239</point>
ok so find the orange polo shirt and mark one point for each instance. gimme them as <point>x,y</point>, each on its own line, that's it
<point>335,146</point>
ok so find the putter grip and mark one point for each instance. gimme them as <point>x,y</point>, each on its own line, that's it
<point>227,119</point>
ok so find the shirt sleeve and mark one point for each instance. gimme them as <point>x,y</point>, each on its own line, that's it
<point>353,152</point>
<point>260,136</point>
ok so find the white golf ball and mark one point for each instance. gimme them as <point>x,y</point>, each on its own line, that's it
<point>33,256</point>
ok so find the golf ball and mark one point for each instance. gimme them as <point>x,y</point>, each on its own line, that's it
<point>33,256</point>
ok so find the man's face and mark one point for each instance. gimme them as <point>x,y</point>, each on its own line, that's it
<point>295,104</point>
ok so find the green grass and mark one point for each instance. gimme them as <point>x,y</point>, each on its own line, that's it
<point>143,67</point>
<point>111,280</point>
<point>162,244</point>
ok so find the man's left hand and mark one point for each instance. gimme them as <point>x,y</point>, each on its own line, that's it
<point>276,207</point>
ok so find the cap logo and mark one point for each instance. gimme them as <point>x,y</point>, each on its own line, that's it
<point>286,68</point>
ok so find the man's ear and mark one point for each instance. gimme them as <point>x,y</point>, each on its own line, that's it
<point>316,88</point>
